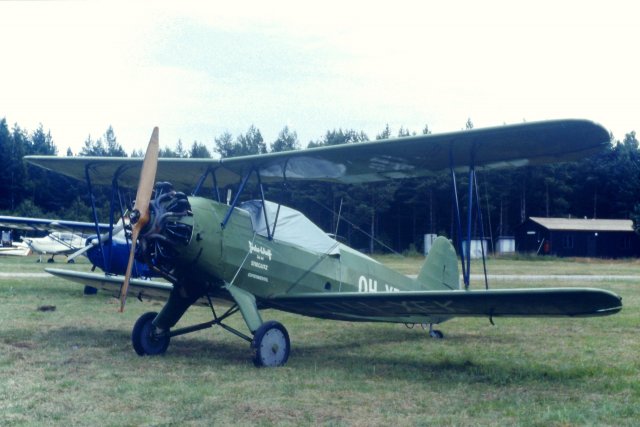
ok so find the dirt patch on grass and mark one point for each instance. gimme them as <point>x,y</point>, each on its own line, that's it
<point>25,345</point>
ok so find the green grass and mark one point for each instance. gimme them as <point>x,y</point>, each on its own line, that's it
<point>75,365</point>
<point>529,265</point>
<point>30,264</point>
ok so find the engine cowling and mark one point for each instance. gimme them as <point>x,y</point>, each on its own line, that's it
<point>168,230</point>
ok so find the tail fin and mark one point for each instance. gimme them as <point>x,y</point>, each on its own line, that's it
<point>440,269</point>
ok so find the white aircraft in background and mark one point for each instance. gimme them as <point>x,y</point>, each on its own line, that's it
<point>56,243</point>
<point>8,247</point>
<point>64,238</point>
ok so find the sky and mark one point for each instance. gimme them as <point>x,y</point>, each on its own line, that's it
<point>198,69</point>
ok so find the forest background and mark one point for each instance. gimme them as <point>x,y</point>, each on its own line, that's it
<point>380,217</point>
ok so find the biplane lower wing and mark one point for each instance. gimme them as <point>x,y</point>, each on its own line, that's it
<point>399,306</point>
<point>144,289</point>
<point>413,306</point>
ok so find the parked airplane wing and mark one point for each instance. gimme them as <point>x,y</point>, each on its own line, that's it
<point>412,306</point>
<point>401,306</point>
<point>138,288</point>
<point>146,289</point>
<point>48,225</point>
<point>180,172</point>
<point>503,146</point>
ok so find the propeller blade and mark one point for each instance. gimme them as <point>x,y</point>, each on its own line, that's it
<point>140,214</point>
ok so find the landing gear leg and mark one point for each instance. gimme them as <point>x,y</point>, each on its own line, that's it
<point>145,338</point>
<point>270,345</point>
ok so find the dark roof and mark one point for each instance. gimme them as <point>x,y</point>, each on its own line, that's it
<point>576,224</point>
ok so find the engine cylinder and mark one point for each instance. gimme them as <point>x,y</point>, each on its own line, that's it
<point>169,229</point>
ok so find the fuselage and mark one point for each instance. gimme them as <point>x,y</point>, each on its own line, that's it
<point>55,243</point>
<point>116,256</point>
<point>243,255</point>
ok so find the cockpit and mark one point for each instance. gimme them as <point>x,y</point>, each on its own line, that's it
<point>290,226</point>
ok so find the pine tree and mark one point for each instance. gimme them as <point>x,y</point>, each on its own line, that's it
<point>225,146</point>
<point>199,151</point>
<point>287,141</point>
<point>113,149</point>
<point>251,142</point>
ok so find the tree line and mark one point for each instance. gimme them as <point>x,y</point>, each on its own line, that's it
<point>383,216</point>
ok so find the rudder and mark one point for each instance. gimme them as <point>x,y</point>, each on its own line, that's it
<point>440,269</point>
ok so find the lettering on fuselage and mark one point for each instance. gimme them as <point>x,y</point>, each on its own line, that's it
<point>371,285</point>
<point>260,251</point>
<point>260,265</point>
<point>258,277</point>
<point>261,254</point>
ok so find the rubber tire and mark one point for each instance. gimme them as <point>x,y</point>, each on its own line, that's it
<point>90,290</point>
<point>141,338</point>
<point>436,334</point>
<point>271,345</point>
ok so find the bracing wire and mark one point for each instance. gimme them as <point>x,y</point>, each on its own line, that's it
<point>359,229</point>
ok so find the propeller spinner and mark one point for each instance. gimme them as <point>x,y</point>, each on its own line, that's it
<point>139,216</point>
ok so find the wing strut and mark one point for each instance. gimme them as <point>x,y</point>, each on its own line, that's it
<point>115,190</point>
<point>479,213</point>
<point>472,171</point>
<point>465,250</point>
<point>456,203</point>
<point>95,213</point>
<point>245,179</point>
<point>215,190</point>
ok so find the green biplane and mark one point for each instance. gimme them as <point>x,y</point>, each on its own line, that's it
<point>258,254</point>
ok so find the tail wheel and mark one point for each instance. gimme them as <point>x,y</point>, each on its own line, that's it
<point>144,338</point>
<point>433,333</point>
<point>436,334</point>
<point>270,345</point>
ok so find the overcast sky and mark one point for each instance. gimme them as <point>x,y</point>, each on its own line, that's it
<point>198,69</point>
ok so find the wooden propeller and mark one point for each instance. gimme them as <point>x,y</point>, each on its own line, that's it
<point>140,215</point>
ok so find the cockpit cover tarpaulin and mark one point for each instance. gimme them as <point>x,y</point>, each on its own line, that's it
<point>292,227</point>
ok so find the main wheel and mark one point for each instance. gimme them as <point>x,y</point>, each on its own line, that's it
<point>270,345</point>
<point>144,339</point>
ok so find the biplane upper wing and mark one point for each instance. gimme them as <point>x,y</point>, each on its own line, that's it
<point>416,156</point>
<point>48,225</point>
<point>412,306</point>
<point>511,145</point>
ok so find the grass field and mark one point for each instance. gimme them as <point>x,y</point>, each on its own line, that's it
<point>75,365</point>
